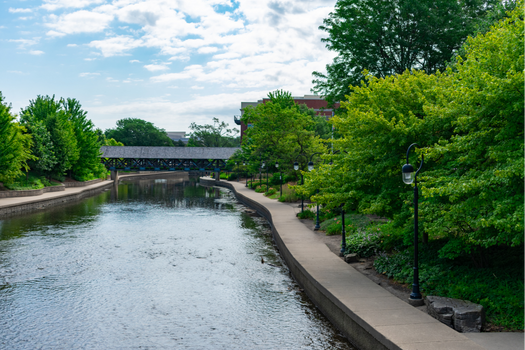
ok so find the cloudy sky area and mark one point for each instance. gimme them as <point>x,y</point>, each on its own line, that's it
<point>169,62</point>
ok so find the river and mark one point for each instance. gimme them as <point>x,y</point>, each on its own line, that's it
<point>158,264</point>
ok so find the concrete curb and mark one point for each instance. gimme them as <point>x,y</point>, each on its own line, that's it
<point>369,316</point>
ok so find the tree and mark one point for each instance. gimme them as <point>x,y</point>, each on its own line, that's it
<point>49,112</point>
<point>138,132</point>
<point>282,130</point>
<point>15,146</point>
<point>216,135</point>
<point>389,37</point>
<point>87,141</point>
<point>475,192</point>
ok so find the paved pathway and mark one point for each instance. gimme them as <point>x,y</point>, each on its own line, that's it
<point>395,323</point>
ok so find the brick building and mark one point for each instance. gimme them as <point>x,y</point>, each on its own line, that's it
<point>317,103</point>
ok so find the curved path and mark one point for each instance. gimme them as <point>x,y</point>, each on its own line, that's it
<point>370,316</point>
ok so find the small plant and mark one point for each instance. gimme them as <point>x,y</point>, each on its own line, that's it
<point>364,243</point>
<point>271,192</point>
<point>261,189</point>
<point>288,195</point>
<point>307,214</point>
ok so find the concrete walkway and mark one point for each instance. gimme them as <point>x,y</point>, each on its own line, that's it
<point>368,314</point>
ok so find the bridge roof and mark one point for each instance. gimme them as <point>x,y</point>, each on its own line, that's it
<point>167,152</point>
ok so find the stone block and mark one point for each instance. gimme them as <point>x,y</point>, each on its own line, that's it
<point>462,315</point>
<point>350,258</point>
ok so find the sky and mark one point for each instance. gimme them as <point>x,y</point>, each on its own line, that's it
<point>170,62</point>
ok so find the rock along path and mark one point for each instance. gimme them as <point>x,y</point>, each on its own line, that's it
<point>370,316</point>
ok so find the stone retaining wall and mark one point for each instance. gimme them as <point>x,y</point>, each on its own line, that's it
<point>28,193</point>
<point>40,203</point>
<point>82,183</point>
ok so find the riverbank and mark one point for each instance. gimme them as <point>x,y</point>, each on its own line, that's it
<point>366,313</point>
<point>67,194</point>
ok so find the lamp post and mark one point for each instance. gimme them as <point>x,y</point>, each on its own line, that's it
<point>310,168</point>
<point>244,165</point>
<point>343,232</point>
<point>409,176</point>
<point>280,178</point>
<point>296,167</point>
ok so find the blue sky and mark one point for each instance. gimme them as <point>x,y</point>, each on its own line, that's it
<point>169,62</point>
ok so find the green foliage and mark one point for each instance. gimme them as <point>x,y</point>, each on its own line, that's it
<point>382,118</point>
<point>27,181</point>
<point>389,38</point>
<point>306,214</point>
<point>14,145</point>
<point>498,287</point>
<point>364,243</point>
<point>63,138</point>
<point>138,132</point>
<point>475,190</point>
<point>282,131</point>
<point>289,195</point>
<point>216,135</point>
<point>271,192</point>
<point>261,188</point>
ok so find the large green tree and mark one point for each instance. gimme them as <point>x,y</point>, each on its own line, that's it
<point>213,135</point>
<point>282,130</point>
<point>49,112</point>
<point>389,37</point>
<point>15,146</point>
<point>475,191</point>
<point>138,132</point>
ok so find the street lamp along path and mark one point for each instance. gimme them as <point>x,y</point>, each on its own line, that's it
<point>409,177</point>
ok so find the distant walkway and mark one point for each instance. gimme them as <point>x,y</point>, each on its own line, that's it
<point>18,205</point>
<point>367,314</point>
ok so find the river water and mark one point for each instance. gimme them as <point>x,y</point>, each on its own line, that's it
<point>158,264</point>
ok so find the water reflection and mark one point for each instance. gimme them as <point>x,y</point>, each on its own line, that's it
<point>160,264</point>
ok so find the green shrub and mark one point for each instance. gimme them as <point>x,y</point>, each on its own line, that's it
<point>233,176</point>
<point>288,195</point>
<point>290,178</point>
<point>365,243</point>
<point>261,189</point>
<point>307,214</point>
<point>271,192</point>
<point>499,287</point>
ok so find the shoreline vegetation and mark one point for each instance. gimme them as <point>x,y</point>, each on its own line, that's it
<point>498,286</point>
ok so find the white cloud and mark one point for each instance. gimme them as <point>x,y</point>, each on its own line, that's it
<point>82,21</point>
<point>52,5</point>
<point>88,75</point>
<point>36,52</point>
<point>160,111</point>
<point>24,43</point>
<point>89,59</point>
<point>195,87</point>
<point>208,49</point>
<point>134,61</point>
<point>111,80</point>
<point>116,46</point>
<point>72,45</point>
<point>156,67</point>
<point>13,10</point>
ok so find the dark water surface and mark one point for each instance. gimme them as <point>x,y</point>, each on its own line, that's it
<point>165,264</point>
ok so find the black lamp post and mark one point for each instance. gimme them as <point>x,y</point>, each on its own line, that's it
<point>409,176</point>
<point>296,167</point>
<point>310,168</point>
<point>280,177</point>
<point>246,173</point>
<point>343,232</point>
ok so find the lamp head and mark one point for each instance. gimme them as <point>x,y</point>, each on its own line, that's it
<point>310,166</point>
<point>262,165</point>
<point>408,174</point>
<point>276,164</point>
<point>296,166</point>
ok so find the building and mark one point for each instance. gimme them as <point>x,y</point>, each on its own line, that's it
<point>317,103</point>
<point>177,136</point>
